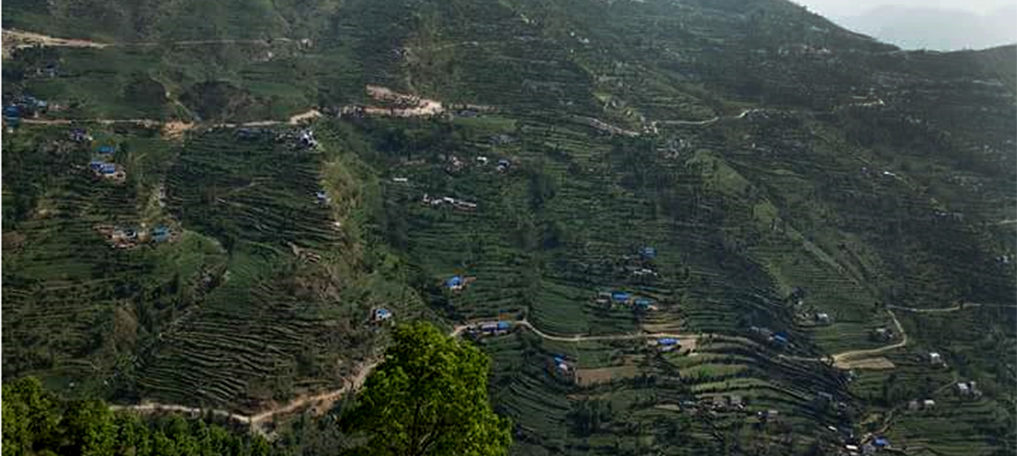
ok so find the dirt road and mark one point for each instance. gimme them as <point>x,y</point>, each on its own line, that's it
<point>19,39</point>
<point>324,400</point>
<point>840,360</point>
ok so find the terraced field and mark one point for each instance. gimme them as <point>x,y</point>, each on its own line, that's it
<point>775,190</point>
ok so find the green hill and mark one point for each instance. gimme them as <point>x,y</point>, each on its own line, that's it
<point>779,167</point>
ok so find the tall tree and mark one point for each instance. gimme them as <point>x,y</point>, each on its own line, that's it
<point>429,397</point>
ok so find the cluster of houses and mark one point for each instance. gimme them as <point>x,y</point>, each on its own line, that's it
<point>641,265</point>
<point>722,403</point>
<point>876,445</point>
<point>455,164</point>
<point>127,238</point>
<point>105,169</point>
<point>453,202</point>
<point>968,390</point>
<point>609,299</point>
<point>23,106</point>
<point>491,328</point>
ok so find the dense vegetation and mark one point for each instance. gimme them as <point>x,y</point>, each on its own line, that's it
<point>429,397</point>
<point>781,168</point>
<point>36,422</point>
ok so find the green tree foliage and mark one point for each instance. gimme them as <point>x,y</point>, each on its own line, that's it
<point>429,397</point>
<point>36,422</point>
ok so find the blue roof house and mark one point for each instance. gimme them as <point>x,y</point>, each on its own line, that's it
<point>96,165</point>
<point>108,168</point>
<point>106,150</point>
<point>648,253</point>
<point>382,314</point>
<point>881,442</point>
<point>454,282</point>
<point>643,303</point>
<point>504,325</point>
<point>667,341</point>
<point>489,327</point>
<point>160,234</point>
<point>621,296</point>
<point>780,338</point>
<point>12,111</point>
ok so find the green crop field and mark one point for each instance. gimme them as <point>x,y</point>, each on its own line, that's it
<point>776,193</point>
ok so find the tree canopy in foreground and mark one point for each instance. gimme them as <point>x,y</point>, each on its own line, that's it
<point>429,397</point>
<point>36,422</point>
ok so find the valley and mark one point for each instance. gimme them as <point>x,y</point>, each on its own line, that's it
<point>723,227</point>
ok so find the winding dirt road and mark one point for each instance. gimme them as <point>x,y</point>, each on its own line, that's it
<point>841,360</point>
<point>324,400</point>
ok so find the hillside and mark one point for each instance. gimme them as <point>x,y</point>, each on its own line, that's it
<point>809,212</point>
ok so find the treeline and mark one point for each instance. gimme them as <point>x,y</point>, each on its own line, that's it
<point>36,422</point>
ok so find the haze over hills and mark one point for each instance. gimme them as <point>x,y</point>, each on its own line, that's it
<point>822,222</point>
<point>936,29</point>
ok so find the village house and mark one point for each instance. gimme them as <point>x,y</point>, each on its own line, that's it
<point>381,315</point>
<point>621,297</point>
<point>667,344</point>
<point>767,416</point>
<point>504,164</point>
<point>648,253</point>
<point>322,197</point>
<point>494,328</point>
<point>562,369</point>
<point>307,139</point>
<point>822,318</point>
<point>455,283</point>
<point>719,403</point>
<point>160,234</point>
<point>642,272</point>
<point>968,390</point>
<point>881,443</point>
<point>78,135</point>
<point>780,340</point>
<point>936,360</point>
<point>643,304</point>
<point>400,180</point>
<point>882,334</point>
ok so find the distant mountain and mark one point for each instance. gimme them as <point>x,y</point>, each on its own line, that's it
<point>935,29</point>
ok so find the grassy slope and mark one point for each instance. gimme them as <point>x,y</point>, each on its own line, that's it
<point>742,210</point>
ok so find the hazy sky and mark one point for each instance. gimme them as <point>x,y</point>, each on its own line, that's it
<point>943,25</point>
<point>857,7</point>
